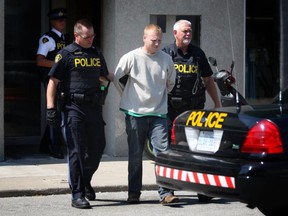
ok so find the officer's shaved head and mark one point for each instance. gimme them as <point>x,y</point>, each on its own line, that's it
<point>84,33</point>
<point>82,23</point>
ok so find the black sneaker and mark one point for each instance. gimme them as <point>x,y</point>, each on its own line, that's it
<point>133,199</point>
<point>80,203</point>
<point>90,193</point>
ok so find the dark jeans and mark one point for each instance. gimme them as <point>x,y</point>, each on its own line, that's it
<point>138,130</point>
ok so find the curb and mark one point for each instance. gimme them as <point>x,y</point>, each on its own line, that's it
<point>58,191</point>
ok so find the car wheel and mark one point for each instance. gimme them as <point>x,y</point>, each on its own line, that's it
<point>203,198</point>
<point>148,150</point>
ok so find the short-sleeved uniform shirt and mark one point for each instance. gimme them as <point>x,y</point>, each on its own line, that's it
<point>47,43</point>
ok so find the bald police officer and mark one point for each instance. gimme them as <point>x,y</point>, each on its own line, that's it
<point>79,67</point>
<point>49,45</point>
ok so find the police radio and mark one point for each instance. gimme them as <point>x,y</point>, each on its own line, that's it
<point>104,92</point>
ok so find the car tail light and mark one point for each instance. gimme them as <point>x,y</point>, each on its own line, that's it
<point>262,138</point>
<point>173,139</point>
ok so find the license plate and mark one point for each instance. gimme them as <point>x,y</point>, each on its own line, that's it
<point>209,141</point>
<point>206,141</point>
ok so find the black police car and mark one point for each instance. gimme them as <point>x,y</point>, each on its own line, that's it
<point>237,152</point>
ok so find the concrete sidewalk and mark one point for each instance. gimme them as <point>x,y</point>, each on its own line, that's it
<point>43,175</point>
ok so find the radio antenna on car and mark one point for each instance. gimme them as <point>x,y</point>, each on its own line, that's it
<point>238,102</point>
<point>282,68</point>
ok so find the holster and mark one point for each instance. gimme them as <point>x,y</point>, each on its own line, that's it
<point>61,101</point>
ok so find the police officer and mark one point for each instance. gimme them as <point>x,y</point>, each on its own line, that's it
<point>78,69</point>
<point>194,74</point>
<point>49,44</point>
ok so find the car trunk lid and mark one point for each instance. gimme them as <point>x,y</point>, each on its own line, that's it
<point>218,132</point>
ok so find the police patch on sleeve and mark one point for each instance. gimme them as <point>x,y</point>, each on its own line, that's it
<point>45,40</point>
<point>58,57</point>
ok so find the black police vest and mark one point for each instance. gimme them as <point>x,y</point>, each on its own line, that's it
<point>188,78</point>
<point>60,44</point>
<point>85,69</point>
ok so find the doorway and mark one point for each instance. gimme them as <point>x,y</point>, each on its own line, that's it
<point>262,51</point>
<point>22,87</point>
<point>24,110</point>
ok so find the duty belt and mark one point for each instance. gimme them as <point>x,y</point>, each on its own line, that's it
<point>95,99</point>
<point>190,103</point>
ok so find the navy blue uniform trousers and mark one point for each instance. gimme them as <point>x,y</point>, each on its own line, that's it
<point>84,134</point>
